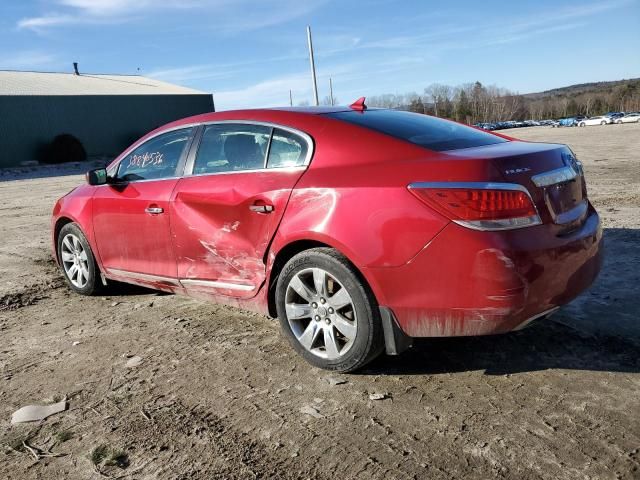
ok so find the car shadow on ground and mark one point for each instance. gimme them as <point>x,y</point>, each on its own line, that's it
<point>119,289</point>
<point>546,345</point>
<point>599,331</point>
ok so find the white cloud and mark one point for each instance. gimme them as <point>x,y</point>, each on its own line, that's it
<point>27,60</point>
<point>191,73</point>
<point>41,23</point>
<point>231,15</point>
<point>268,93</point>
<point>105,7</point>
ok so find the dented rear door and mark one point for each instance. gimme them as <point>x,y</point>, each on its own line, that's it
<point>223,219</point>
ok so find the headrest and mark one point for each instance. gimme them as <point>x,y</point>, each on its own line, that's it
<point>241,148</point>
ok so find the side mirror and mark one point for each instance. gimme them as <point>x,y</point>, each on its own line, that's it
<point>97,176</point>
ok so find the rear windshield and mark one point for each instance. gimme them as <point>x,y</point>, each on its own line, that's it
<point>429,132</point>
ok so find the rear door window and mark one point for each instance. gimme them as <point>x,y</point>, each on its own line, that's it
<point>155,159</point>
<point>231,148</point>
<point>429,132</point>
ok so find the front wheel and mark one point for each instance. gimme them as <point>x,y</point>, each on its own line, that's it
<point>603,123</point>
<point>581,124</point>
<point>328,314</point>
<point>77,262</point>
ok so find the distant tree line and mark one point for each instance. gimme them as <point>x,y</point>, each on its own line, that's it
<point>475,102</point>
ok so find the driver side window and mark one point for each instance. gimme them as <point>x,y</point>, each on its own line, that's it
<point>155,159</point>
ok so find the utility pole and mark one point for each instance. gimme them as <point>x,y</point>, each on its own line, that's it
<point>331,91</point>
<point>313,67</point>
<point>290,99</point>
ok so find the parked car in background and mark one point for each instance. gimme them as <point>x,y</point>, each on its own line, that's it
<point>484,126</point>
<point>566,122</point>
<point>614,115</point>
<point>628,118</point>
<point>358,228</point>
<point>601,120</point>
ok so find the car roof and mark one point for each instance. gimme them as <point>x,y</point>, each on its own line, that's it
<point>314,110</point>
<point>295,117</point>
<point>291,116</point>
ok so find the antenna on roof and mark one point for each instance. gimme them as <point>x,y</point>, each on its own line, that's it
<point>358,105</point>
<point>75,68</point>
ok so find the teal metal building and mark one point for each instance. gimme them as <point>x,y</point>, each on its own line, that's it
<point>105,112</point>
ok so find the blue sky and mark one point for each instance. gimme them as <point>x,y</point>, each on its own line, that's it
<point>250,53</point>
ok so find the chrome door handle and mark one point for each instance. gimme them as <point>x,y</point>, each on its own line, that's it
<point>261,208</point>
<point>154,210</point>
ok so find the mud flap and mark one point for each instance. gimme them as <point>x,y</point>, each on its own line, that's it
<point>395,340</point>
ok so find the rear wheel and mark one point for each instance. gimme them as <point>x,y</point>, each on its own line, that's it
<point>603,123</point>
<point>328,315</point>
<point>581,124</point>
<point>77,262</point>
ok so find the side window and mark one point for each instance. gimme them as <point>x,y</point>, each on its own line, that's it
<point>287,149</point>
<point>232,147</point>
<point>155,159</point>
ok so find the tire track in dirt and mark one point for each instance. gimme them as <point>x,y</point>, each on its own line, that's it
<point>46,270</point>
<point>179,442</point>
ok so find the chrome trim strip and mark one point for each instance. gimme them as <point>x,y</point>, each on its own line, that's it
<point>214,284</point>
<point>255,170</point>
<point>572,215</point>
<point>181,282</point>
<point>491,225</point>
<point>478,185</point>
<point>552,177</point>
<point>535,317</point>
<point>143,276</point>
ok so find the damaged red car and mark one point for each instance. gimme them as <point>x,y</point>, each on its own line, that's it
<point>358,228</point>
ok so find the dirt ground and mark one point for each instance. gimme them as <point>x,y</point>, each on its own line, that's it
<point>219,393</point>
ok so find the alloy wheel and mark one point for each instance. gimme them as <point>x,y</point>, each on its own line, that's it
<point>74,260</point>
<point>321,313</point>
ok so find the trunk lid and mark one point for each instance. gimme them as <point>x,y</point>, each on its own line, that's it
<point>550,172</point>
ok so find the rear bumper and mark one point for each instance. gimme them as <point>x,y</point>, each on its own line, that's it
<point>467,282</point>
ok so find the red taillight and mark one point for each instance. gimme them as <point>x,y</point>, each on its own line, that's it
<point>486,208</point>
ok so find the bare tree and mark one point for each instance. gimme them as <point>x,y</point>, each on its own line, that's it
<point>327,100</point>
<point>438,94</point>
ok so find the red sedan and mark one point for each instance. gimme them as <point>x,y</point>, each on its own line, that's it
<point>358,228</point>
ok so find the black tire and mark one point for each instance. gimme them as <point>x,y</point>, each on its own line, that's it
<point>93,284</point>
<point>369,337</point>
